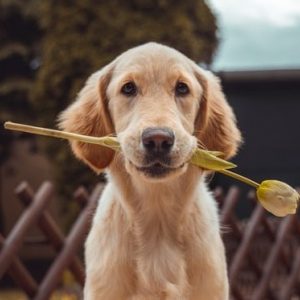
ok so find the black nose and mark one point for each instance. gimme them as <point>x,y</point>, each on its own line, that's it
<point>157,140</point>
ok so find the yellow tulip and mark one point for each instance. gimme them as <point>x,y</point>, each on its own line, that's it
<point>275,196</point>
<point>278,197</point>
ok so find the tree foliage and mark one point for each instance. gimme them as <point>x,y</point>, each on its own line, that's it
<point>49,48</point>
<point>82,36</point>
<point>20,37</point>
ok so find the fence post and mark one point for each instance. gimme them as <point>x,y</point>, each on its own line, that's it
<point>20,275</point>
<point>53,232</point>
<point>27,219</point>
<point>289,286</point>
<point>72,243</point>
<point>229,204</point>
<point>244,246</point>
<point>284,229</point>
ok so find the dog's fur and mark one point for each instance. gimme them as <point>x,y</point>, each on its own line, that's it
<point>153,238</point>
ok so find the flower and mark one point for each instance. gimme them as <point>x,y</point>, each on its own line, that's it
<point>275,196</point>
<point>209,160</point>
<point>278,197</point>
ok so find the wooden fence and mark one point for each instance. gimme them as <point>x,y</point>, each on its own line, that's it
<point>263,252</point>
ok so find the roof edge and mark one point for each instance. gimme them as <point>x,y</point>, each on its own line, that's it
<point>279,75</point>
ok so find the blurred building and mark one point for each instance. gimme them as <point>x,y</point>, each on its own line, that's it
<point>267,106</point>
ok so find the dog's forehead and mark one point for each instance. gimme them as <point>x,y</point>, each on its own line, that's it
<point>152,56</point>
<point>153,62</point>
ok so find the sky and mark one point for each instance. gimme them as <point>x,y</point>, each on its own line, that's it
<point>257,34</point>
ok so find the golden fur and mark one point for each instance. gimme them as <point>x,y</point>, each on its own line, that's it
<point>153,238</point>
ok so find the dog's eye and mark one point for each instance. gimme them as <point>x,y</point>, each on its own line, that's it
<point>129,89</point>
<point>181,89</point>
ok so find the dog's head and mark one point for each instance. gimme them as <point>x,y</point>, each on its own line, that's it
<point>160,104</point>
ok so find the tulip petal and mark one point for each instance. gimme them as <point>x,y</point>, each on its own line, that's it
<point>205,159</point>
<point>278,197</point>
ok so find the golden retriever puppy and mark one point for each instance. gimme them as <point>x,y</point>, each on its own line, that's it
<point>155,234</point>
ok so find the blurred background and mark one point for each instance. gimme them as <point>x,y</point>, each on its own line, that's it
<point>48,49</point>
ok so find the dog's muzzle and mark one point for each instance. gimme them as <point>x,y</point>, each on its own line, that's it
<point>157,143</point>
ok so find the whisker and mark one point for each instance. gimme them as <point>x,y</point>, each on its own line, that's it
<point>201,145</point>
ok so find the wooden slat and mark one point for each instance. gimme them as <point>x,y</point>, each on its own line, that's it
<point>52,232</point>
<point>20,275</point>
<point>282,253</point>
<point>271,263</point>
<point>72,243</point>
<point>230,201</point>
<point>29,217</point>
<point>245,245</point>
<point>293,278</point>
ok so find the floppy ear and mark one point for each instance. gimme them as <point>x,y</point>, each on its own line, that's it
<point>215,124</point>
<point>89,115</point>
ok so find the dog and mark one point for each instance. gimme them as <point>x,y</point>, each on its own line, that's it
<point>155,233</point>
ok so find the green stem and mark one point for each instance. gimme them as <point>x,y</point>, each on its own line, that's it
<point>99,141</point>
<point>240,178</point>
<point>60,134</point>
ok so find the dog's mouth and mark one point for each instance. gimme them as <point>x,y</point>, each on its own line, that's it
<point>157,169</point>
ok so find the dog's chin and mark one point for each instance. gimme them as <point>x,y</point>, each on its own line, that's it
<point>156,171</point>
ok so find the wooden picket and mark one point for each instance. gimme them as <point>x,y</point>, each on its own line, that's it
<point>67,248</point>
<point>263,252</point>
